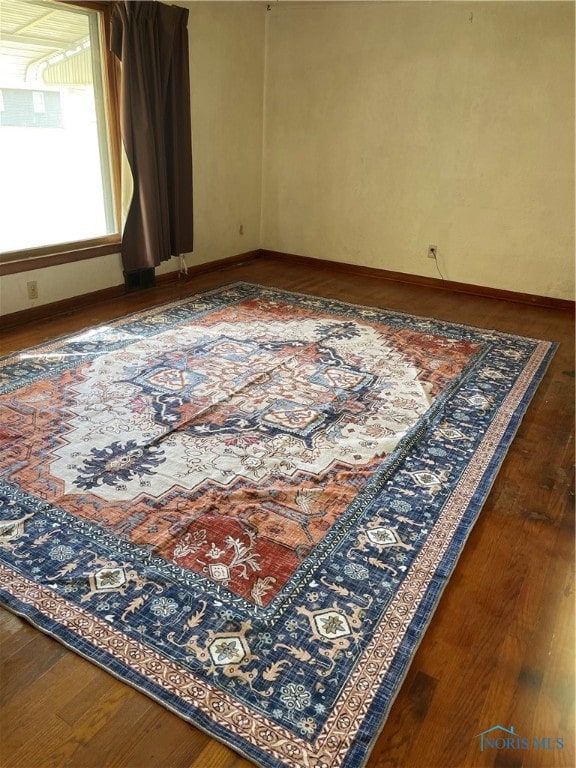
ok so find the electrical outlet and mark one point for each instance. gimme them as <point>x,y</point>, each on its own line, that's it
<point>432,251</point>
<point>32,287</point>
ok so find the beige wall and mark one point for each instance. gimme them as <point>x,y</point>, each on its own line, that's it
<point>227,86</point>
<point>226,72</point>
<point>392,126</point>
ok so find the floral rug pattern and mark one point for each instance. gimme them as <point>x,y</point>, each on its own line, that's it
<point>247,503</point>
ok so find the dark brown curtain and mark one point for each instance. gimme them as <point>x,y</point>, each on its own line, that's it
<point>151,41</point>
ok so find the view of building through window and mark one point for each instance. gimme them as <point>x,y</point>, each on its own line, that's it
<point>56,183</point>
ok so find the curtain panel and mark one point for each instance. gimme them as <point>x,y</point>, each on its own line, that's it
<point>150,39</point>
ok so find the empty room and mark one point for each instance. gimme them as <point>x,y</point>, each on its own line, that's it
<point>287,384</point>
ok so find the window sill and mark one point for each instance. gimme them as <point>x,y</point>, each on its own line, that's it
<point>26,261</point>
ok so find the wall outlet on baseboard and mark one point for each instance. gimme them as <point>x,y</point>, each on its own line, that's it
<point>432,251</point>
<point>32,287</point>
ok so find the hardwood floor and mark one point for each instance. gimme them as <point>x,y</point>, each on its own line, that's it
<point>499,650</point>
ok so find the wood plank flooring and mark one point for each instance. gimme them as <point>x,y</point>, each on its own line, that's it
<point>499,650</point>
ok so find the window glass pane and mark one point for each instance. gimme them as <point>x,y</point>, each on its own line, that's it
<point>38,101</point>
<point>56,183</point>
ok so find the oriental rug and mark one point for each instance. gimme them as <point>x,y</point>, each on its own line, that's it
<point>246,503</point>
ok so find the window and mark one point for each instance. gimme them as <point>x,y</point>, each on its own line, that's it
<point>38,101</point>
<point>58,134</point>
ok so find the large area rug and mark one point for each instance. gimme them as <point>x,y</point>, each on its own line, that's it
<point>247,503</point>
